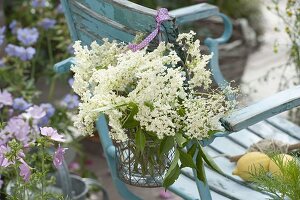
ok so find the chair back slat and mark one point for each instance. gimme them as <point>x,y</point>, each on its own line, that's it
<point>113,19</point>
<point>90,24</point>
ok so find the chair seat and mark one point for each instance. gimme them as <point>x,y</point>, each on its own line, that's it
<point>229,186</point>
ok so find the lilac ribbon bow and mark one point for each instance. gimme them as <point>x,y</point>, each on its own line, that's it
<point>162,15</point>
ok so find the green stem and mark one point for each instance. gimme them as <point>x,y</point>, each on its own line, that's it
<point>32,76</point>
<point>50,53</point>
<point>24,191</point>
<point>52,87</point>
<point>17,182</point>
<point>43,172</point>
<point>36,56</point>
<point>53,81</point>
<point>19,67</point>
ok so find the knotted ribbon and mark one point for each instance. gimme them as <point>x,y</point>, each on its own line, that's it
<point>162,15</point>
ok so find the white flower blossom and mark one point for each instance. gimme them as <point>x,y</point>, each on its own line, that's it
<point>109,77</point>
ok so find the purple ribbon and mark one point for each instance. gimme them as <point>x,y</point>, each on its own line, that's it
<point>162,15</point>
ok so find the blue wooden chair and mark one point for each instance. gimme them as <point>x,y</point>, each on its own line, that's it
<point>121,20</point>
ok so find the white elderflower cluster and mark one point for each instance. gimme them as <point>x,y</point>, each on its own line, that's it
<point>203,114</point>
<point>195,62</point>
<point>110,78</point>
<point>89,60</point>
<point>157,96</point>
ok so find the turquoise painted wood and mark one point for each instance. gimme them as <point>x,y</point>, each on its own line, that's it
<point>64,66</point>
<point>109,151</point>
<point>264,109</point>
<point>195,12</point>
<point>121,20</point>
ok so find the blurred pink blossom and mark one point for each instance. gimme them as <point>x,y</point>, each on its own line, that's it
<point>35,112</point>
<point>58,156</point>
<point>74,166</point>
<point>5,98</point>
<point>165,194</point>
<point>52,133</point>
<point>3,160</point>
<point>24,170</point>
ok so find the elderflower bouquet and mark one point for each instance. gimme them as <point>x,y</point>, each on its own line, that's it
<point>157,103</point>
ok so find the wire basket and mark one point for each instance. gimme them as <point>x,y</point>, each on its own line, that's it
<point>145,169</point>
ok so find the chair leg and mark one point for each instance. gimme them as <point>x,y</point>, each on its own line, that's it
<point>203,188</point>
<point>109,151</point>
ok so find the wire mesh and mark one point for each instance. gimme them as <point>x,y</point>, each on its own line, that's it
<point>146,169</point>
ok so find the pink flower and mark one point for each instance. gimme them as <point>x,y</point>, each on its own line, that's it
<point>5,98</point>
<point>74,166</point>
<point>24,167</point>
<point>20,128</point>
<point>165,194</point>
<point>52,133</point>
<point>58,156</point>
<point>35,112</point>
<point>3,160</point>
<point>4,136</point>
<point>24,170</point>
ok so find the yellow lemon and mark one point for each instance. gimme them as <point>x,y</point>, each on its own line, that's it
<point>284,158</point>
<point>250,162</point>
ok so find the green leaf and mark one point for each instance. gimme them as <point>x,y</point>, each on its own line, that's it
<point>180,139</point>
<point>181,112</point>
<point>172,177</point>
<point>200,168</point>
<point>140,140</point>
<point>2,125</point>
<point>151,134</point>
<point>150,105</point>
<point>186,160</point>
<point>209,161</point>
<point>134,108</point>
<point>130,122</point>
<point>135,165</point>
<point>174,162</point>
<point>166,145</point>
<point>212,132</point>
<point>151,165</point>
<point>192,150</point>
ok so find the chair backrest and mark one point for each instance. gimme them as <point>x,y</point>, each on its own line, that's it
<point>122,20</point>
<point>119,20</point>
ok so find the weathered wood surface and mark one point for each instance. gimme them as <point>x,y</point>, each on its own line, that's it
<point>194,13</point>
<point>119,20</point>
<point>263,109</point>
<point>229,186</point>
<point>285,126</point>
<point>64,66</point>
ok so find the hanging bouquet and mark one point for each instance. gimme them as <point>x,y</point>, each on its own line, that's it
<point>156,103</point>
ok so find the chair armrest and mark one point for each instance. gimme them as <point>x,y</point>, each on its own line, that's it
<point>263,109</point>
<point>64,66</point>
<point>194,12</point>
<point>201,11</point>
<point>213,45</point>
